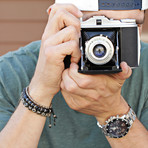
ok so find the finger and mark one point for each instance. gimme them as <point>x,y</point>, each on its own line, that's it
<point>67,83</point>
<point>68,7</point>
<point>126,72</point>
<point>83,80</point>
<point>70,86</point>
<point>60,51</point>
<point>70,48</point>
<point>60,20</point>
<point>66,34</point>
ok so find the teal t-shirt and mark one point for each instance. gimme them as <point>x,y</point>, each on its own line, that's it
<point>73,129</point>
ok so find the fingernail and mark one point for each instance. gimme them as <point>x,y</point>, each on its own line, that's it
<point>48,10</point>
<point>80,13</point>
<point>126,68</point>
<point>73,66</point>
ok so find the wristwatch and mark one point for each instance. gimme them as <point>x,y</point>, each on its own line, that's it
<point>118,127</point>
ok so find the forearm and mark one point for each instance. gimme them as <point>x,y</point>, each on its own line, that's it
<point>137,137</point>
<point>23,129</point>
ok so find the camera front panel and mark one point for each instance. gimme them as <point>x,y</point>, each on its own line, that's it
<point>98,47</point>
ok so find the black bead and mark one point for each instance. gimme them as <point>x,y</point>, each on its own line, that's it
<point>27,100</point>
<point>36,107</point>
<point>46,110</point>
<point>24,100</point>
<point>25,96</point>
<point>49,110</point>
<point>30,102</point>
<point>30,107</point>
<point>41,109</point>
<point>34,110</point>
<point>26,104</point>
<point>43,114</point>
<point>38,110</point>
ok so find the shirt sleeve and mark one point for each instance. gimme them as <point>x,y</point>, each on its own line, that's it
<point>144,115</point>
<point>16,71</point>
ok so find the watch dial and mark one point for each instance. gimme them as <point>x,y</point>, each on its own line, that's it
<point>117,128</point>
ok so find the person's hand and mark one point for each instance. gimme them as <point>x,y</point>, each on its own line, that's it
<point>60,38</point>
<point>97,95</point>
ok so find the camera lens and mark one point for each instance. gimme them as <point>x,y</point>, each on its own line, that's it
<point>99,51</point>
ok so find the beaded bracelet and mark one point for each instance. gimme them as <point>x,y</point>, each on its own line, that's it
<point>33,106</point>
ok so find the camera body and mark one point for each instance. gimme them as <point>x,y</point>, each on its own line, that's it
<point>105,43</point>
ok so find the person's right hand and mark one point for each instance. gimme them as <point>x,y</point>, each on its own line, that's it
<point>60,38</point>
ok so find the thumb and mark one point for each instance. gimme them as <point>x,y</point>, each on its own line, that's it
<point>126,72</point>
<point>74,67</point>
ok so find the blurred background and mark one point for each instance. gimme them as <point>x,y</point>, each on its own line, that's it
<point>23,21</point>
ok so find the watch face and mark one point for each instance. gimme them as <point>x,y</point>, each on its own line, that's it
<point>117,128</point>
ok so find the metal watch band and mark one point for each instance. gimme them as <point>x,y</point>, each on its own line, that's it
<point>129,118</point>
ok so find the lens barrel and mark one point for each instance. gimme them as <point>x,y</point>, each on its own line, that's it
<point>99,50</point>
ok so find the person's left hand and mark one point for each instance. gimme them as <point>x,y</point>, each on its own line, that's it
<point>97,95</point>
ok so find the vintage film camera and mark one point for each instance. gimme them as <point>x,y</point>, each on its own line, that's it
<point>105,43</point>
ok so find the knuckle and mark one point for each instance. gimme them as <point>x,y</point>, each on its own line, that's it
<point>84,83</point>
<point>96,97</point>
<point>60,13</point>
<point>49,53</point>
<point>72,30</point>
<point>71,88</point>
<point>47,48</point>
<point>74,44</point>
<point>102,87</point>
<point>55,6</point>
<point>78,24</point>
